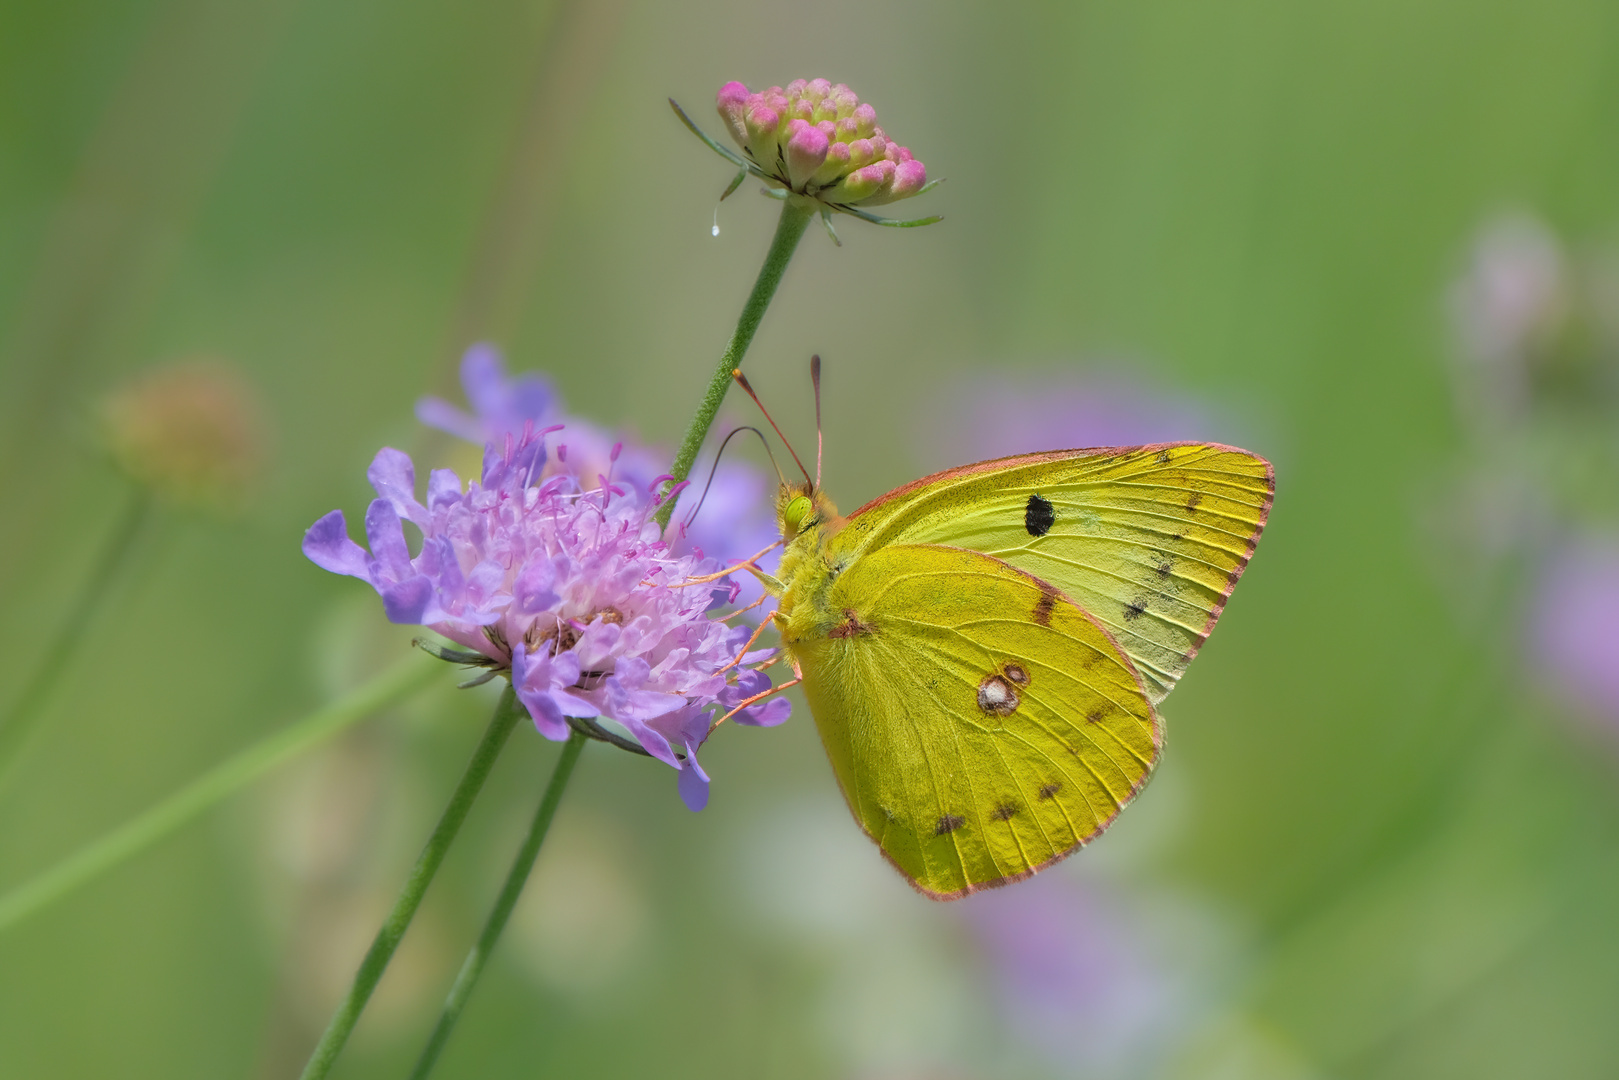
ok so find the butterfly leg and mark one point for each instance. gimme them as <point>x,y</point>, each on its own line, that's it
<point>743,611</point>
<point>745,564</point>
<point>751,700</point>
<point>764,622</point>
<point>772,662</point>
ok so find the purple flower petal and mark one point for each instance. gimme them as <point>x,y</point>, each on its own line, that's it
<point>547,717</point>
<point>534,592</point>
<point>651,740</point>
<point>765,714</point>
<point>387,539</point>
<point>437,413</point>
<point>596,644</point>
<point>407,602</point>
<point>483,378</point>
<point>443,488</point>
<point>328,546</point>
<point>393,474</point>
<point>693,787</point>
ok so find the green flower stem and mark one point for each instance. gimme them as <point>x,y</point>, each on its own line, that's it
<point>473,967</point>
<point>795,218</point>
<point>20,722</point>
<point>410,898</point>
<point>140,833</point>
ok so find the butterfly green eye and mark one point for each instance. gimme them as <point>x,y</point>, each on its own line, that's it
<point>797,512</point>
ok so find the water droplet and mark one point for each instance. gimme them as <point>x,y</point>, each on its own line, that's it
<point>716,230</point>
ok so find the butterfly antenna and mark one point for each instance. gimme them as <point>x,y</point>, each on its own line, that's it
<point>742,381</point>
<point>815,380</point>
<point>716,468</point>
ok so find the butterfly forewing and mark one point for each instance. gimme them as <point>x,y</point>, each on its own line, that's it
<point>980,724</point>
<point>1149,540</point>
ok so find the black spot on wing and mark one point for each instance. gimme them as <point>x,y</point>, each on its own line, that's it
<point>1004,812</point>
<point>1049,790</point>
<point>1039,516</point>
<point>949,824</point>
<point>1135,608</point>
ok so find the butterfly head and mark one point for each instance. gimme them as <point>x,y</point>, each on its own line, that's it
<point>800,507</point>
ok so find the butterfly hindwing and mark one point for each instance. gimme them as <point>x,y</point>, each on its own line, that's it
<point>1149,540</point>
<point>980,724</point>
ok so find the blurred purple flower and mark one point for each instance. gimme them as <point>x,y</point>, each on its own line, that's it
<point>1074,978</point>
<point>500,406</point>
<point>570,588</point>
<point>983,417</point>
<point>1574,625</point>
<point>1513,287</point>
<point>1509,301</point>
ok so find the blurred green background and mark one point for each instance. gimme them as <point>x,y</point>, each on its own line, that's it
<point>1375,849</point>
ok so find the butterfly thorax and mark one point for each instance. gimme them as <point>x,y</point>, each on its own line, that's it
<point>807,519</point>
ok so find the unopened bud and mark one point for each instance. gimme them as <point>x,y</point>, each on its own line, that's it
<point>805,151</point>
<point>819,140</point>
<point>732,103</point>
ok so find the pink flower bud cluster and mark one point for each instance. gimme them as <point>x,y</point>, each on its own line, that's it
<point>820,140</point>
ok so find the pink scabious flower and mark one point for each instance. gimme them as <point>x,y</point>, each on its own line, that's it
<point>819,141</point>
<point>569,590</point>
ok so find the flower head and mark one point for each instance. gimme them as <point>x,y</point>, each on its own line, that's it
<point>568,589</point>
<point>192,433</point>
<point>818,141</point>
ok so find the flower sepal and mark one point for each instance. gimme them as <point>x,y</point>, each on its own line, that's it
<point>723,151</point>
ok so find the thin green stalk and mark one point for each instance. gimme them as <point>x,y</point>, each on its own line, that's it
<point>140,833</point>
<point>410,898</point>
<point>22,720</point>
<point>795,218</point>
<point>473,967</point>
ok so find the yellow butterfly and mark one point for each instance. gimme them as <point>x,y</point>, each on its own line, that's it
<point>984,649</point>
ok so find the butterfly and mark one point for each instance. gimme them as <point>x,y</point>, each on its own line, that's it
<point>984,650</point>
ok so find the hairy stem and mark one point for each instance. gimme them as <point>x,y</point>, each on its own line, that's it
<point>795,218</point>
<point>23,719</point>
<point>410,898</point>
<point>516,878</point>
<point>140,833</point>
